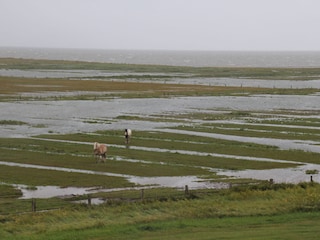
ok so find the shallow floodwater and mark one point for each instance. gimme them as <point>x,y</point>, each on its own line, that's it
<point>173,78</point>
<point>179,182</point>
<point>76,73</point>
<point>73,116</point>
<point>286,175</point>
<point>146,182</point>
<point>76,116</point>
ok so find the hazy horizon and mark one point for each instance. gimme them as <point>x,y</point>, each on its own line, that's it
<point>154,50</point>
<point>166,25</point>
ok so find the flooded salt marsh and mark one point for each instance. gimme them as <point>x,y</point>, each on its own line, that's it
<point>76,73</point>
<point>255,83</point>
<point>63,117</point>
<point>74,116</point>
<point>176,78</point>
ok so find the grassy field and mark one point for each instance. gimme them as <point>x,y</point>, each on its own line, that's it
<point>265,212</point>
<point>247,209</point>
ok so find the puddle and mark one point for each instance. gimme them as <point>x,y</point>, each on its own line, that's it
<point>146,182</point>
<point>287,175</point>
<point>193,182</point>
<point>56,191</point>
<point>93,201</point>
<point>50,191</point>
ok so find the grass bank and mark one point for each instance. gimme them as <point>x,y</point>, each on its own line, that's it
<point>265,211</point>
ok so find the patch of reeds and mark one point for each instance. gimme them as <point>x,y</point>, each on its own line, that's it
<point>12,122</point>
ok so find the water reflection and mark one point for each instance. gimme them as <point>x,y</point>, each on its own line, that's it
<point>72,116</point>
<point>193,182</point>
<point>77,73</point>
<point>286,175</point>
<point>146,182</point>
<point>172,78</point>
<point>285,144</point>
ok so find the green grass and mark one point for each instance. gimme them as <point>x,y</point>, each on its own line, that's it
<point>11,122</point>
<point>36,177</point>
<point>172,142</point>
<point>11,207</point>
<point>8,191</point>
<point>289,226</point>
<point>265,211</point>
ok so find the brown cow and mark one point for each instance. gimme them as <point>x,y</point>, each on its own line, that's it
<point>100,150</point>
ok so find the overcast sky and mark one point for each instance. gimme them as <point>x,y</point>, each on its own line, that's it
<point>162,24</point>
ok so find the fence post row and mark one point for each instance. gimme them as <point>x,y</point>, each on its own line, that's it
<point>89,200</point>
<point>33,205</point>
<point>186,190</point>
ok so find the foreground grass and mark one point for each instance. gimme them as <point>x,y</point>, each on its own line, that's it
<point>260,212</point>
<point>289,226</point>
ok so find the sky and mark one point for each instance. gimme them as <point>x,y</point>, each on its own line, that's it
<point>206,25</point>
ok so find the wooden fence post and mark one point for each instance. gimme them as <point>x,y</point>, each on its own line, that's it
<point>89,200</point>
<point>186,190</point>
<point>142,194</point>
<point>33,205</point>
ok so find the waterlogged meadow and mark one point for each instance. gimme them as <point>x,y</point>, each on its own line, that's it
<point>215,152</point>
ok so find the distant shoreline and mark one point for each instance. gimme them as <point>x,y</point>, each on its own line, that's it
<point>172,57</point>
